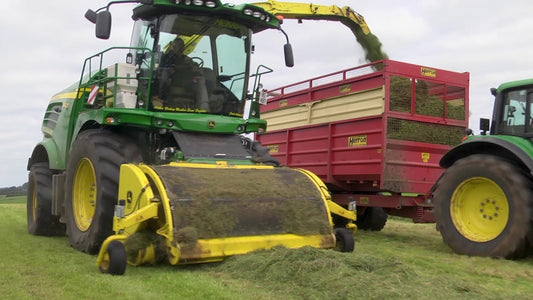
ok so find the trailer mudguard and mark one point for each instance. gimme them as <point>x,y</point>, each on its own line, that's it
<point>516,149</point>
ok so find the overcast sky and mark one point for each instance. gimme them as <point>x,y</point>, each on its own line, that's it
<point>45,42</point>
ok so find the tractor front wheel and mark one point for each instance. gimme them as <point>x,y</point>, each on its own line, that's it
<point>484,207</point>
<point>344,240</point>
<point>92,186</point>
<point>115,259</point>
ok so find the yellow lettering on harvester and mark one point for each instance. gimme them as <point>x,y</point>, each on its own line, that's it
<point>357,140</point>
<point>428,72</point>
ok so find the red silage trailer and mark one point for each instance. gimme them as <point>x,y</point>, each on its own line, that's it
<point>374,134</point>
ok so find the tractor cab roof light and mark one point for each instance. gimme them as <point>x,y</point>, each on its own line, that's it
<point>207,3</point>
<point>260,14</point>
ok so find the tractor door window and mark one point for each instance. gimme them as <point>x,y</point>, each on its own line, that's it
<point>232,63</point>
<point>142,38</point>
<point>516,118</point>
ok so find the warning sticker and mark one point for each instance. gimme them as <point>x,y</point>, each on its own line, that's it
<point>92,94</point>
<point>425,157</point>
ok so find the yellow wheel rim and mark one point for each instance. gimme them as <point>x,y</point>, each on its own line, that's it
<point>479,209</point>
<point>84,194</point>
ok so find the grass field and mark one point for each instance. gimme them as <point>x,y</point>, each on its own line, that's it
<point>404,261</point>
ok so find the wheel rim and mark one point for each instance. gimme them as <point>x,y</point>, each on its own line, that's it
<point>84,194</point>
<point>479,209</point>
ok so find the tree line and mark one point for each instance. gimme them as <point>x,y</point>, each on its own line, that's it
<point>14,190</point>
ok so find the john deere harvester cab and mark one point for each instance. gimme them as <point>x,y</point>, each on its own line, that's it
<point>144,160</point>
<point>484,200</point>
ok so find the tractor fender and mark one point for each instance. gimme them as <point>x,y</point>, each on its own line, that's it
<point>515,151</point>
<point>46,151</point>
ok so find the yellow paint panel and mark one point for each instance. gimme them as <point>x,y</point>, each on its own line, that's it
<point>350,106</point>
<point>428,72</point>
<point>357,140</point>
<point>273,148</point>
<point>217,249</point>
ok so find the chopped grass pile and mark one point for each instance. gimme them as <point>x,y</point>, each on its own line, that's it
<point>312,273</point>
<point>427,103</point>
<point>408,130</point>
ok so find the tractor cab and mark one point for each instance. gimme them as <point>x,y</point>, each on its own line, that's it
<point>193,56</point>
<point>199,64</point>
<point>513,111</point>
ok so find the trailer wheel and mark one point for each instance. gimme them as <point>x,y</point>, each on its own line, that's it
<point>372,218</point>
<point>92,186</point>
<point>39,203</point>
<point>344,240</point>
<point>115,259</point>
<point>484,207</point>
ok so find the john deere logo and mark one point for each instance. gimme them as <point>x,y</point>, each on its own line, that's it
<point>211,124</point>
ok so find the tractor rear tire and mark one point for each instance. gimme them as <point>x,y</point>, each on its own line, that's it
<point>116,260</point>
<point>373,218</point>
<point>344,240</point>
<point>39,203</point>
<point>484,207</point>
<point>93,171</point>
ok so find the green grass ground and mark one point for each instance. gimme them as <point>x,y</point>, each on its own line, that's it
<point>404,261</point>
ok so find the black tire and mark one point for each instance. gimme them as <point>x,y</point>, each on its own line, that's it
<point>92,186</point>
<point>484,207</point>
<point>116,261</point>
<point>39,203</point>
<point>372,218</point>
<point>344,240</point>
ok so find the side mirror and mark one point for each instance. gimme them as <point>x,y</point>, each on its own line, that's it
<point>91,16</point>
<point>289,57</point>
<point>484,126</point>
<point>103,24</point>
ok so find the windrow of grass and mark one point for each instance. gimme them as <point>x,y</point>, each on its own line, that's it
<point>403,261</point>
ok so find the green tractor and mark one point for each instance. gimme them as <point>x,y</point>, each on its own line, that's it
<point>484,199</point>
<point>147,160</point>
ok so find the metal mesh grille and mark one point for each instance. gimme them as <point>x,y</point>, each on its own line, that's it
<point>400,94</point>
<point>408,130</point>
